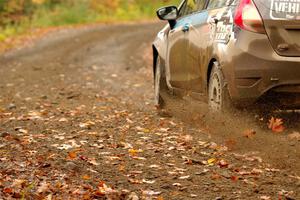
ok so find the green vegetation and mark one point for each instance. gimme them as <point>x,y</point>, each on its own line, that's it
<point>18,16</point>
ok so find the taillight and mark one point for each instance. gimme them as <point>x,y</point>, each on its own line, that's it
<point>248,18</point>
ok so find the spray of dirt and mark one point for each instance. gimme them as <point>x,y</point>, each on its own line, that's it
<point>243,131</point>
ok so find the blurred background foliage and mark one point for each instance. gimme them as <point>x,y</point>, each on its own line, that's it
<point>17,16</point>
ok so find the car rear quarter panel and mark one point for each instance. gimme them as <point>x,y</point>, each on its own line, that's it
<point>250,57</point>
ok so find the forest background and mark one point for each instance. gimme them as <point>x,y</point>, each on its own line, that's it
<point>20,16</point>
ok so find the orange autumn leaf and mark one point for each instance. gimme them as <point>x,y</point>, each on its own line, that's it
<point>134,181</point>
<point>134,152</point>
<point>276,125</point>
<point>98,193</point>
<point>223,164</point>
<point>8,190</point>
<point>234,178</point>
<point>72,155</point>
<point>101,184</point>
<point>122,168</point>
<point>86,177</point>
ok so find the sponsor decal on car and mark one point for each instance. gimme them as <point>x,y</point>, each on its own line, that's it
<point>223,27</point>
<point>285,9</point>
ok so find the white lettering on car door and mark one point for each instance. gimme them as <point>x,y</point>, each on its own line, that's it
<point>224,27</point>
<point>285,9</point>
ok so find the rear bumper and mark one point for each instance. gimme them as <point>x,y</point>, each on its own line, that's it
<point>254,70</point>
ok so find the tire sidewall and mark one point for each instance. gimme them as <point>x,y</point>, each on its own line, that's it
<point>159,83</point>
<point>217,84</point>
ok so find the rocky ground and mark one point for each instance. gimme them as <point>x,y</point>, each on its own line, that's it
<point>78,122</point>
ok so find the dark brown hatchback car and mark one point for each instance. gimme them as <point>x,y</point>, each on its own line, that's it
<point>230,51</point>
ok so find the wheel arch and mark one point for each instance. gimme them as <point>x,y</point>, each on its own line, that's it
<point>155,56</point>
<point>209,69</point>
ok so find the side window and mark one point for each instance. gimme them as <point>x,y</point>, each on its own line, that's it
<point>191,6</point>
<point>182,10</point>
<point>201,4</point>
<point>216,4</point>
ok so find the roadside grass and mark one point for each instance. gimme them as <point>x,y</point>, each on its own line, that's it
<point>83,13</point>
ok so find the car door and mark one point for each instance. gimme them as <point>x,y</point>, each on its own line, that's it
<point>177,47</point>
<point>208,29</point>
<point>198,39</point>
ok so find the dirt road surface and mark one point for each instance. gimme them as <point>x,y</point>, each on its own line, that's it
<point>77,121</point>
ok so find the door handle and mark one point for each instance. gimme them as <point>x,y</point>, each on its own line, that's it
<point>213,20</point>
<point>186,28</point>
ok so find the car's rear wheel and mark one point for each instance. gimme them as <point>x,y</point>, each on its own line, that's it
<point>160,84</point>
<point>218,96</point>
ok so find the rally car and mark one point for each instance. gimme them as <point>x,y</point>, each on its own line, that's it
<point>230,52</point>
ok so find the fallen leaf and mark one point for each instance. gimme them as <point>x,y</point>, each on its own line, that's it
<point>211,161</point>
<point>133,196</point>
<point>134,181</point>
<point>223,164</point>
<point>265,198</point>
<point>272,170</point>
<point>155,166</point>
<point>93,162</point>
<point>63,120</point>
<point>72,155</point>
<point>144,130</point>
<point>121,168</point>
<point>177,184</point>
<point>86,177</point>
<point>150,193</point>
<point>134,152</point>
<point>148,181</point>
<point>139,158</point>
<point>24,131</point>
<point>185,139</point>
<point>276,125</point>
<point>250,182</point>
<point>256,171</point>
<point>184,177</point>
<point>19,183</point>
<point>43,187</point>
<point>234,178</point>
<point>8,190</point>
<point>87,124</point>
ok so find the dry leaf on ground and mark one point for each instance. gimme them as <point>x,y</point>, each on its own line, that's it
<point>276,125</point>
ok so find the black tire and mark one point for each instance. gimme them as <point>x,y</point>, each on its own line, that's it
<point>160,84</point>
<point>218,95</point>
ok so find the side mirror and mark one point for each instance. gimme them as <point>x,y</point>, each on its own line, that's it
<point>169,13</point>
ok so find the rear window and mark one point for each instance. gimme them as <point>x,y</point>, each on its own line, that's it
<point>216,4</point>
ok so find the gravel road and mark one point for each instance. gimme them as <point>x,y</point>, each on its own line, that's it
<point>77,121</point>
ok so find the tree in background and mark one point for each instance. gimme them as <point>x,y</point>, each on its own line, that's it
<point>44,13</point>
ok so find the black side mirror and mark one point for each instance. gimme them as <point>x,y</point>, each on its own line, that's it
<point>169,13</point>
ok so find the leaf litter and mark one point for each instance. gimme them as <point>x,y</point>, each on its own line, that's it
<point>101,145</point>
